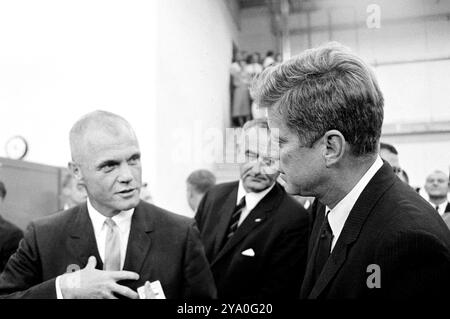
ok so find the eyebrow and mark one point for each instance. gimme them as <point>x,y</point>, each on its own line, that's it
<point>107,163</point>
<point>115,162</point>
<point>135,156</point>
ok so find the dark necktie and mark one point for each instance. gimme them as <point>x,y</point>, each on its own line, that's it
<point>234,221</point>
<point>323,247</point>
<point>437,208</point>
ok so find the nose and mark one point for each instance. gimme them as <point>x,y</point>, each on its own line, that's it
<point>125,175</point>
<point>256,168</point>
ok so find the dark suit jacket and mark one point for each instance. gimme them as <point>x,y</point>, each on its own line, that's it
<point>162,246</point>
<point>390,226</point>
<point>276,230</point>
<point>10,236</point>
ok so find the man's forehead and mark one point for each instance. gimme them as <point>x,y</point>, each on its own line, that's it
<point>103,145</point>
<point>259,141</point>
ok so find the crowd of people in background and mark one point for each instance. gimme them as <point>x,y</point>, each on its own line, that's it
<point>243,70</point>
<point>249,239</point>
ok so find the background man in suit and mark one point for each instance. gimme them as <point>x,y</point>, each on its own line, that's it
<point>373,236</point>
<point>197,184</point>
<point>255,235</point>
<point>120,241</point>
<point>390,154</point>
<point>10,234</point>
<point>437,186</point>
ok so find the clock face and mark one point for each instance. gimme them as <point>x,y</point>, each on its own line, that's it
<point>16,147</point>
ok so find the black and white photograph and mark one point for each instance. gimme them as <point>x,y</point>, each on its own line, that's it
<point>228,156</point>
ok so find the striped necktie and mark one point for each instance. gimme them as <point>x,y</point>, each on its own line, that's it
<point>234,221</point>
<point>112,246</point>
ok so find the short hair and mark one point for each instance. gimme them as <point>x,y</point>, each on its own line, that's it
<point>388,147</point>
<point>99,119</point>
<point>323,89</point>
<point>2,190</point>
<point>201,180</point>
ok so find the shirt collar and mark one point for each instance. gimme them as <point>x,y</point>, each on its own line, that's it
<point>442,207</point>
<point>251,199</point>
<point>339,214</point>
<point>122,219</point>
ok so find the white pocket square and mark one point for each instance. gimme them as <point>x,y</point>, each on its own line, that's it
<point>249,252</point>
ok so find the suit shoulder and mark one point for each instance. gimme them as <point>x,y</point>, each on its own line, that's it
<point>406,212</point>
<point>165,218</point>
<point>9,229</point>
<point>222,189</point>
<point>57,219</point>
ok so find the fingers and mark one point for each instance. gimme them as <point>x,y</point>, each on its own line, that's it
<point>124,275</point>
<point>92,262</point>
<point>124,291</point>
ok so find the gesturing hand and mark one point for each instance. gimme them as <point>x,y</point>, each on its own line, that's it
<point>92,283</point>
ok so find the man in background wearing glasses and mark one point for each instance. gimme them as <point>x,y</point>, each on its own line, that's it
<point>255,235</point>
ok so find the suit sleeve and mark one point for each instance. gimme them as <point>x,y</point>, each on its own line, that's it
<point>22,276</point>
<point>287,264</point>
<point>198,279</point>
<point>413,264</point>
<point>10,247</point>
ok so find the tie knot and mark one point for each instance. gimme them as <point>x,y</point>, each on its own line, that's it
<point>241,202</point>
<point>110,222</point>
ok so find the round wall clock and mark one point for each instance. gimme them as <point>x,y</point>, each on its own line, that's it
<point>16,147</point>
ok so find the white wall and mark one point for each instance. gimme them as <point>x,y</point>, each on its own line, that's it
<point>195,49</point>
<point>162,64</point>
<point>59,60</point>
<point>421,154</point>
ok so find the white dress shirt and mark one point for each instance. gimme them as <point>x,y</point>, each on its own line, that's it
<point>123,221</point>
<point>339,214</point>
<point>251,200</point>
<point>441,207</point>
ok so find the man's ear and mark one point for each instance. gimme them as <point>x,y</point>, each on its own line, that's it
<point>334,147</point>
<point>76,171</point>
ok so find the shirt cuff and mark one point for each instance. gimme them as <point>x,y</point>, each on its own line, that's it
<point>59,294</point>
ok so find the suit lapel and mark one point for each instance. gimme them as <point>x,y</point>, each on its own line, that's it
<point>447,209</point>
<point>256,217</point>
<point>82,243</point>
<point>224,218</point>
<point>377,186</point>
<point>139,240</point>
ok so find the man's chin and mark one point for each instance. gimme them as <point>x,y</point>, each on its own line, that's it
<point>129,204</point>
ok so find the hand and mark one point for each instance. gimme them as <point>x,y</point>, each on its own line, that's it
<point>92,283</point>
<point>148,292</point>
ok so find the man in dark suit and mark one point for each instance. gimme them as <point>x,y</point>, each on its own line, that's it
<point>122,242</point>
<point>437,187</point>
<point>10,234</point>
<point>255,235</point>
<point>373,236</point>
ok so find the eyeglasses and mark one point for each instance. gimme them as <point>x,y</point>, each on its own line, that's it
<point>269,164</point>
